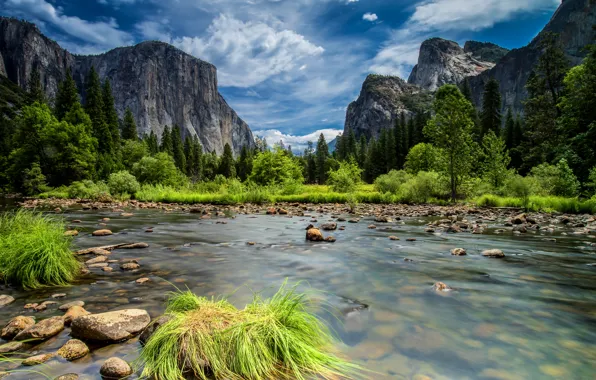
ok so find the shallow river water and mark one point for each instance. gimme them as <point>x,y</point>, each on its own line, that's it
<point>531,315</point>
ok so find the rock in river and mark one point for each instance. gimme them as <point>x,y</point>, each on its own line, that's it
<point>73,349</point>
<point>15,326</point>
<point>42,330</point>
<point>112,326</point>
<point>493,253</point>
<point>115,368</point>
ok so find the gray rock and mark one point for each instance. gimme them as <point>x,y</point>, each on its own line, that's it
<point>42,330</point>
<point>115,368</point>
<point>15,326</point>
<point>112,326</point>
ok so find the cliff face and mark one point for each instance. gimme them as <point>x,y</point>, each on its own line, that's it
<point>381,101</point>
<point>572,21</point>
<point>159,83</point>
<point>442,62</point>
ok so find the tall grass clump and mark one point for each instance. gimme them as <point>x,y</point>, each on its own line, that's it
<point>34,251</point>
<point>277,338</point>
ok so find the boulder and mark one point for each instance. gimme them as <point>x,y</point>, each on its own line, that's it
<point>112,326</point>
<point>73,349</point>
<point>115,368</point>
<point>6,299</point>
<point>313,234</point>
<point>15,326</point>
<point>329,226</point>
<point>458,252</point>
<point>42,330</point>
<point>37,359</point>
<point>101,233</point>
<point>152,327</point>
<point>497,253</point>
<point>72,313</point>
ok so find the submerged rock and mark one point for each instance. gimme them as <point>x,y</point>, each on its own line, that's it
<point>42,330</point>
<point>115,368</point>
<point>73,349</point>
<point>112,326</point>
<point>497,253</point>
<point>15,326</point>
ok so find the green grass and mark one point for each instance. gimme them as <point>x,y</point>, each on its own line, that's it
<point>34,251</point>
<point>277,338</point>
<point>540,203</point>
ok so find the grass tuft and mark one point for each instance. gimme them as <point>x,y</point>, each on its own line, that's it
<point>34,251</point>
<point>276,338</point>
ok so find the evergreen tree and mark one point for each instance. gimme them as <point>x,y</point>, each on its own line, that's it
<point>35,87</point>
<point>152,143</point>
<point>110,113</point>
<point>129,128</point>
<point>95,109</point>
<point>66,96</point>
<point>509,132</point>
<point>166,142</point>
<point>226,163</point>
<point>322,155</point>
<point>361,159</point>
<point>491,108</point>
<point>178,149</point>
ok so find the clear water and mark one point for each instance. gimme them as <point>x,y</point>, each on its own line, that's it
<point>531,315</point>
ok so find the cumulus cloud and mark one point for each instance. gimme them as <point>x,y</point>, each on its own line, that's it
<point>98,35</point>
<point>370,17</point>
<point>247,53</point>
<point>298,143</point>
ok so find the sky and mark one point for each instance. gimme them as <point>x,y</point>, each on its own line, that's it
<point>289,68</point>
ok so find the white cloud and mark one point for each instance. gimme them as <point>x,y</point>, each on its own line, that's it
<point>98,35</point>
<point>298,143</point>
<point>370,17</point>
<point>247,53</point>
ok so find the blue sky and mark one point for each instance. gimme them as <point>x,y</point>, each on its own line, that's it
<point>288,67</point>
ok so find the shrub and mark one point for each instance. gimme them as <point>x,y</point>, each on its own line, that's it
<point>123,182</point>
<point>277,338</point>
<point>159,169</point>
<point>346,178</point>
<point>34,251</point>
<point>391,182</point>
<point>88,189</point>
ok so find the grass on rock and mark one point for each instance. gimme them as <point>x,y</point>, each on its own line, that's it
<point>277,338</point>
<point>34,251</point>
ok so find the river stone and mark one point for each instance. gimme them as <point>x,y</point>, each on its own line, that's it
<point>68,305</point>
<point>458,252</point>
<point>6,299</point>
<point>153,326</point>
<point>73,349</point>
<point>72,313</point>
<point>313,234</point>
<point>15,326</point>
<point>115,368</point>
<point>329,226</point>
<point>42,330</point>
<point>112,326</point>
<point>102,233</point>
<point>493,253</point>
<point>37,359</point>
<point>12,347</point>
<point>68,376</point>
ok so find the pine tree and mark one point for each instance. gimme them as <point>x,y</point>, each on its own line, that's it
<point>491,108</point>
<point>178,149</point>
<point>322,155</point>
<point>129,128</point>
<point>110,113</point>
<point>66,96</point>
<point>166,142</point>
<point>35,87</point>
<point>95,109</point>
<point>226,163</point>
<point>508,133</point>
<point>152,143</point>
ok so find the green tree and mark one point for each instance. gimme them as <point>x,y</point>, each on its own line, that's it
<point>129,128</point>
<point>322,154</point>
<point>110,113</point>
<point>226,163</point>
<point>491,108</point>
<point>166,142</point>
<point>95,109</point>
<point>451,131</point>
<point>35,87</point>
<point>496,160</point>
<point>66,96</point>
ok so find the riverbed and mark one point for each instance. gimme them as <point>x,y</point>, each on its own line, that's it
<point>529,315</point>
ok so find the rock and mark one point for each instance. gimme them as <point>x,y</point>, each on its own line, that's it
<point>458,252</point>
<point>393,238</point>
<point>134,246</point>
<point>42,330</point>
<point>13,347</point>
<point>115,368</point>
<point>130,266</point>
<point>37,359</point>
<point>153,326</point>
<point>96,260</point>
<point>72,313</point>
<point>73,349</point>
<point>313,234</point>
<point>5,300</point>
<point>329,226</point>
<point>102,233</point>
<point>493,253</point>
<point>71,233</point>
<point>68,305</point>
<point>68,376</point>
<point>441,287</point>
<point>112,326</point>
<point>15,326</point>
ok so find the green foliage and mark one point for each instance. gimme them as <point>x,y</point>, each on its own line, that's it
<point>34,251</point>
<point>159,169</point>
<point>423,157</point>
<point>557,179</point>
<point>123,182</point>
<point>276,338</point>
<point>34,182</point>
<point>496,160</point>
<point>346,178</point>
<point>88,189</point>
<point>391,182</point>
<point>275,168</point>
<point>129,129</point>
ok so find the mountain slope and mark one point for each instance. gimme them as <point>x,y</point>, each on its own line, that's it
<point>161,84</point>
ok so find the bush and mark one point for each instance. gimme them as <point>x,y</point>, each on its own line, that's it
<point>34,251</point>
<point>390,183</point>
<point>421,188</point>
<point>123,182</point>
<point>557,179</point>
<point>159,169</point>
<point>346,178</point>
<point>88,189</point>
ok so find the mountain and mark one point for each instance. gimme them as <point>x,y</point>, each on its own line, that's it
<point>161,84</point>
<point>381,101</point>
<point>442,62</point>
